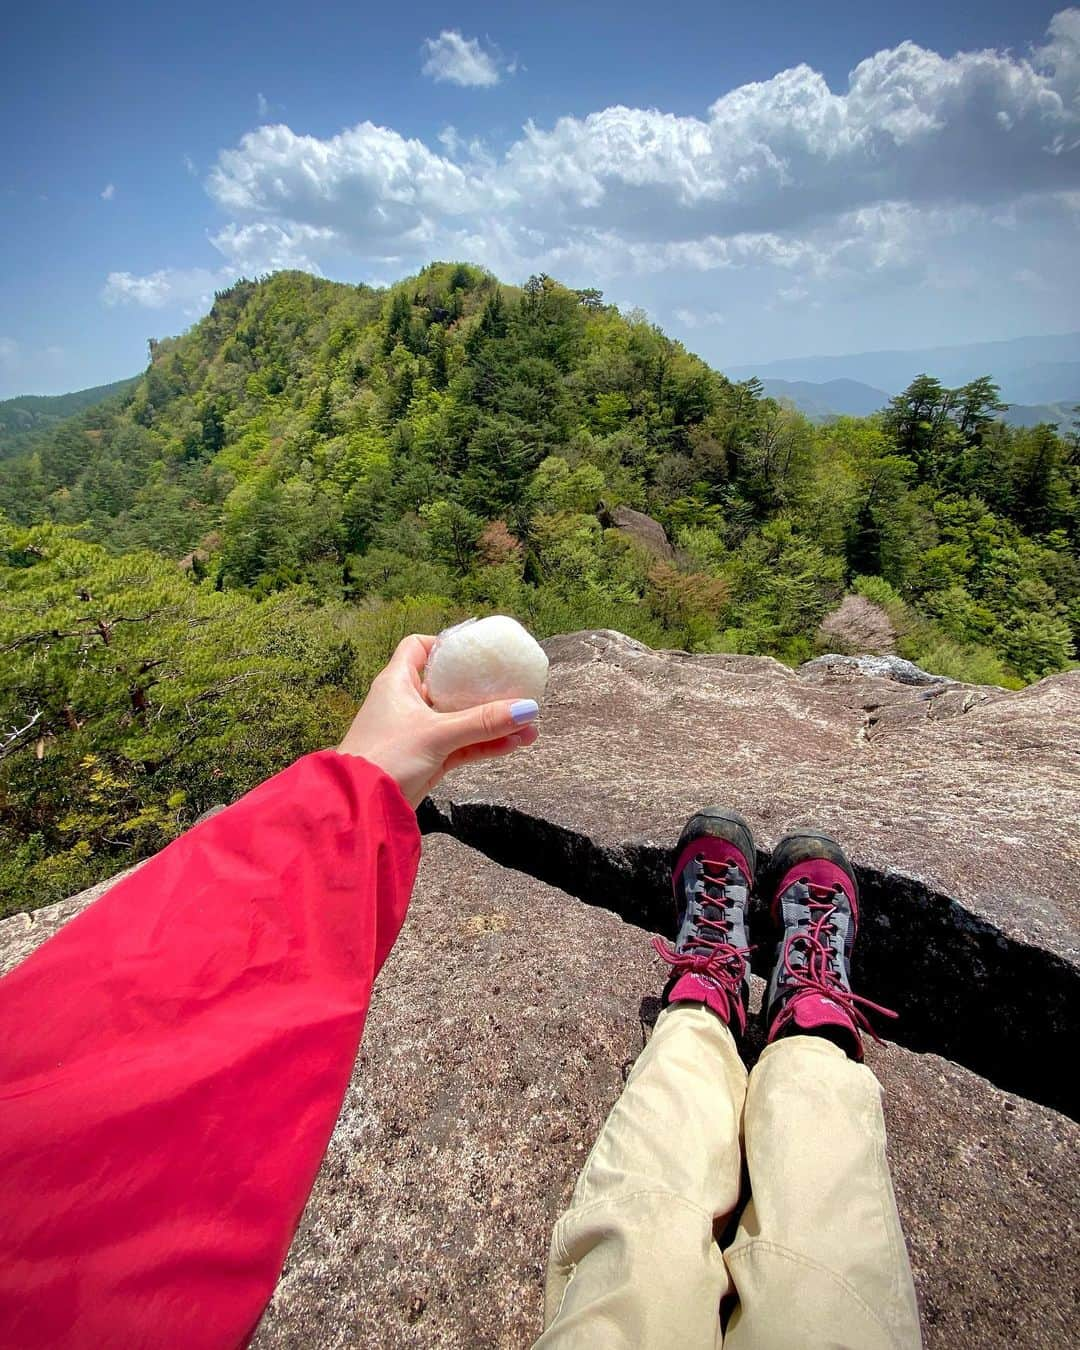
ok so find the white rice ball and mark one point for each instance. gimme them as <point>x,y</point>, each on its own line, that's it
<point>482,660</point>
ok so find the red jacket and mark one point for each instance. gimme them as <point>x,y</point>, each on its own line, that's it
<point>173,1061</point>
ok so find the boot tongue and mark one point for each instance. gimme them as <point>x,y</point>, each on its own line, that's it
<point>812,1012</point>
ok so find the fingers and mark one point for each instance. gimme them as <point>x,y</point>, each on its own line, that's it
<point>484,724</point>
<point>410,657</point>
<point>505,745</point>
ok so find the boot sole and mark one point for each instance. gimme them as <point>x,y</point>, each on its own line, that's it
<point>720,823</point>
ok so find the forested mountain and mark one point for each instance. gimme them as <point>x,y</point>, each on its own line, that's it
<point>198,580</point>
<point>28,418</point>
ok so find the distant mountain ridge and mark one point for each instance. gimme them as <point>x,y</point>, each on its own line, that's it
<point>832,398</point>
<point>1029,370</point>
<point>25,416</point>
<point>850,398</point>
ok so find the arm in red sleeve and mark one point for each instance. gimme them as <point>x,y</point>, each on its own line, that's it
<point>173,1062</point>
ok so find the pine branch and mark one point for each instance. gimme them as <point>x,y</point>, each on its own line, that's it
<point>10,742</point>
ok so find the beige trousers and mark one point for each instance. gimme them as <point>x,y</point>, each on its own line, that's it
<point>818,1258</point>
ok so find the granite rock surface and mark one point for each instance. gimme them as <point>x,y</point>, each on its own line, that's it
<point>500,1033</point>
<point>958,804</point>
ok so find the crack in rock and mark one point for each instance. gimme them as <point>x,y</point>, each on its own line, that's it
<point>1007,1010</point>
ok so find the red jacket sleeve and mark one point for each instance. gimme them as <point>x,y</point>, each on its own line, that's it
<point>173,1061</point>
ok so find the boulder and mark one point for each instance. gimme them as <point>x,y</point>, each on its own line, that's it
<point>959,806</point>
<point>491,1057</point>
<point>642,530</point>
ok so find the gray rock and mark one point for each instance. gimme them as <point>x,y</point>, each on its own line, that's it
<point>490,1059</point>
<point>643,531</point>
<point>884,667</point>
<point>958,805</point>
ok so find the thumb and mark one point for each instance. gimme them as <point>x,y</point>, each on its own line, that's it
<point>486,722</point>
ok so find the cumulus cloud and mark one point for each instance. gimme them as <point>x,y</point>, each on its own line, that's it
<point>753,178</point>
<point>914,154</point>
<point>267,247</point>
<point>694,318</point>
<point>369,181</point>
<point>108,192</point>
<point>911,126</point>
<point>170,286</point>
<point>453,59</point>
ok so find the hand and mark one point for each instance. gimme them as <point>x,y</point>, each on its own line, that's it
<point>397,729</point>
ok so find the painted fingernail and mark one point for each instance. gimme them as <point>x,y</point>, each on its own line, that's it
<point>524,710</point>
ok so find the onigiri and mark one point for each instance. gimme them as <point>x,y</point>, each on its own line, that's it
<point>482,660</point>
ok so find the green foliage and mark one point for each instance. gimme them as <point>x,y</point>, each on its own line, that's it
<point>336,466</point>
<point>133,699</point>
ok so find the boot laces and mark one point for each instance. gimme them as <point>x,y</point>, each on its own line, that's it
<point>817,972</point>
<point>714,955</point>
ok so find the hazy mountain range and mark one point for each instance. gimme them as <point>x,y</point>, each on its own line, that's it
<point>849,398</point>
<point>1039,375</point>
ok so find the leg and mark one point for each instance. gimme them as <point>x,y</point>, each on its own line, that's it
<point>634,1264</point>
<point>819,1257</point>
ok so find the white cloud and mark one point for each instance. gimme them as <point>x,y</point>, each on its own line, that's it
<point>1028,277</point>
<point>168,287</point>
<point>693,318</point>
<point>369,182</point>
<point>912,126</point>
<point>454,59</point>
<point>262,106</point>
<point>817,194</point>
<point>190,165</point>
<point>266,247</point>
<point>108,192</point>
<point>783,172</point>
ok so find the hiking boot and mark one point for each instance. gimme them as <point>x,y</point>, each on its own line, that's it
<point>712,879</point>
<point>815,909</point>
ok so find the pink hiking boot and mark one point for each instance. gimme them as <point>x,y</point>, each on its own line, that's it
<point>815,908</point>
<point>712,878</point>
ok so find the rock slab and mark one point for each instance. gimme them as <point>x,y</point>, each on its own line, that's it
<point>500,1033</point>
<point>958,804</point>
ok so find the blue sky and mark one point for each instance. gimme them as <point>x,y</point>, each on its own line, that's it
<point>766,180</point>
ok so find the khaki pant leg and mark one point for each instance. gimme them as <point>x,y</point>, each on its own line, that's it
<point>633,1262</point>
<point>819,1257</point>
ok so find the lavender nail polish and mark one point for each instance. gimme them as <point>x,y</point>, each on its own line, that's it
<point>524,710</point>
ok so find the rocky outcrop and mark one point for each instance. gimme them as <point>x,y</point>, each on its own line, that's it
<point>885,667</point>
<point>493,1052</point>
<point>958,805</point>
<point>643,531</point>
<point>490,1059</point>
